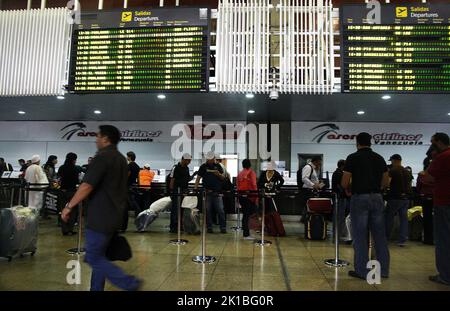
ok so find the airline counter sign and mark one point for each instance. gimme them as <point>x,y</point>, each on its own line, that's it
<point>331,133</point>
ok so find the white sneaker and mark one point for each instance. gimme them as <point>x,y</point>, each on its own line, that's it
<point>249,238</point>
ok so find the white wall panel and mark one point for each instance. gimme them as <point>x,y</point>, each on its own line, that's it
<point>34,47</point>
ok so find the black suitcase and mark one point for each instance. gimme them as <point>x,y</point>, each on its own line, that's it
<point>315,227</point>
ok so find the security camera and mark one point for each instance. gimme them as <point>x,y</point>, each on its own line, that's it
<point>274,95</point>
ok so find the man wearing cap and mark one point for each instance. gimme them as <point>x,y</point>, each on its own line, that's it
<point>35,175</point>
<point>179,182</point>
<point>398,198</point>
<point>213,177</point>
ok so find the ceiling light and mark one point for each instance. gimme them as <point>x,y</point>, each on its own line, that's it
<point>386,97</point>
<point>360,112</point>
<point>448,113</point>
<point>161,96</point>
<point>251,111</point>
<point>250,95</point>
<point>97,112</point>
<point>21,112</point>
<point>60,97</point>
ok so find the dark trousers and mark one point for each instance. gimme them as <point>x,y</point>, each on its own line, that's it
<point>442,240</point>
<point>102,268</point>
<point>248,209</point>
<point>428,231</point>
<point>67,227</point>
<point>393,208</point>
<point>215,202</point>
<point>366,212</point>
<point>305,195</point>
<point>133,202</point>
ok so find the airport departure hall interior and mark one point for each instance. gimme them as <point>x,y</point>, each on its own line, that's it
<point>245,146</point>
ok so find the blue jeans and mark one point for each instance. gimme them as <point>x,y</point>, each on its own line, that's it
<point>366,212</point>
<point>215,202</point>
<point>442,241</point>
<point>401,207</point>
<point>102,269</point>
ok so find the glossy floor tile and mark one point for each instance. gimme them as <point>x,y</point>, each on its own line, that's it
<point>289,263</point>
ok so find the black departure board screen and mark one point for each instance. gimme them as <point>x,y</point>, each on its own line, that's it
<point>141,50</point>
<point>408,51</point>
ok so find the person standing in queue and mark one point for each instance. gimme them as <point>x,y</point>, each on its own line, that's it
<point>271,181</point>
<point>145,179</point>
<point>424,189</point>
<point>212,175</point>
<point>439,170</point>
<point>49,168</point>
<point>246,181</point>
<point>179,181</point>
<point>341,194</point>
<point>133,175</point>
<point>23,165</point>
<point>68,179</point>
<point>368,174</point>
<point>398,198</point>
<point>308,182</point>
<point>85,167</point>
<point>106,186</point>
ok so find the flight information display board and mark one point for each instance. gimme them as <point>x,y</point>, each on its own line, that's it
<point>141,50</point>
<point>408,51</point>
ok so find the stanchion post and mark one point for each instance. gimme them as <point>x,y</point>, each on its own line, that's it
<point>78,250</point>
<point>263,242</point>
<point>12,196</point>
<point>203,258</point>
<point>336,262</point>
<point>238,220</point>
<point>179,241</point>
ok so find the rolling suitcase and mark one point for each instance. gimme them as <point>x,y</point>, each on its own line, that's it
<point>18,231</point>
<point>315,227</point>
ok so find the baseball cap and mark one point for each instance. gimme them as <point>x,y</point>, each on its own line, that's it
<point>396,157</point>
<point>187,156</point>
<point>35,159</point>
<point>146,165</point>
<point>210,155</point>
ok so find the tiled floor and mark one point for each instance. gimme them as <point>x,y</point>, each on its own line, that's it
<point>290,263</point>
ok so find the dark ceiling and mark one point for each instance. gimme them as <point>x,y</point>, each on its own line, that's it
<point>93,4</point>
<point>214,106</point>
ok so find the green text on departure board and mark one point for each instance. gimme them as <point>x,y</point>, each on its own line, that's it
<point>398,57</point>
<point>140,59</point>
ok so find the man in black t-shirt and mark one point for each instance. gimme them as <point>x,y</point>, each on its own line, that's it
<point>133,168</point>
<point>179,181</point>
<point>106,186</point>
<point>213,177</point>
<point>398,198</point>
<point>133,175</point>
<point>367,173</point>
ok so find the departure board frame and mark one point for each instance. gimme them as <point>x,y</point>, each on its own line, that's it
<point>127,57</point>
<point>413,18</point>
